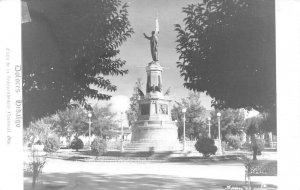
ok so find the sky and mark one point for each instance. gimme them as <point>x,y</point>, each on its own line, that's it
<point>136,51</point>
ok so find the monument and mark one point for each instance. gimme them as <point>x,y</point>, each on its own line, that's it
<point>154,129</point>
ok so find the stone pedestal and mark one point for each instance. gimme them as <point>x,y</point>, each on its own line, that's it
<point>154,129</point>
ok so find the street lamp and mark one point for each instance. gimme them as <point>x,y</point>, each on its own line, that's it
<point>183,111</point>
<point>209,135</point>
<point>90,123</point>
<point>219,126</point>
<point>122,134</point>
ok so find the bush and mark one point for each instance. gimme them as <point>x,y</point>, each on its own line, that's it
<point>234,141</point>
<point>225,145</point>
<point>76,144</point>
<point>51,144</point>
<point>99,146</point>
<point>206,146</point>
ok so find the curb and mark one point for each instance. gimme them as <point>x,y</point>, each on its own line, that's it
<point>106,160</point>
<point>170,159</point>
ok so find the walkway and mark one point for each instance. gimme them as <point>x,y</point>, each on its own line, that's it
<point>74,175</point>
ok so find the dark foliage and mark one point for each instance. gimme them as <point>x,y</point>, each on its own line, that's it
<point>206,146</point>
<point>227,49</point>
<point>253,125</point>
<point>76,144</point>
<point>71,122</point>
<point>68,50</point>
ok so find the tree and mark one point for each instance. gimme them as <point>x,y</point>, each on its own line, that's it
<point>71,122</point>
<point>254,126</point>
<point>269,121</point>
<point>195,116</point>
<point>68,49</point>
<point>103,122</point>
<point>132,113</point>
<point>39,130</point>
<point>227,49</point>
<point>231,121</point>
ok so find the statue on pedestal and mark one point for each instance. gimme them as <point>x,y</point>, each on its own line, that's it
<point>154,41</point>
<point>154,128</point>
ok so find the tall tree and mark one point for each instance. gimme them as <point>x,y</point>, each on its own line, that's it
<point>195,116</point>
<point>71,122</point>
<point>253,126</point>
<point>227,49</point>
<point>231,122</point>
<point>69,48</point>
<point>260,124</point>
<point>104,123</point>
<point>132,113</point>
<point>269,121</point>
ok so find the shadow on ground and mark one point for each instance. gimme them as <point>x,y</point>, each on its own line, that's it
<point>144,154</point>
<point>84,155</point>
<point>91,181</point>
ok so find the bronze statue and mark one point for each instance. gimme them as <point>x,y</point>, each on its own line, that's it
<point>154,41</point>
<point>153,45</point>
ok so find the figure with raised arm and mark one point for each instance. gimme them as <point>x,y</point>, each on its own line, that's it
<point>154,41</point>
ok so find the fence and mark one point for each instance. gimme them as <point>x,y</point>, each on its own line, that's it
<point>273,145</point>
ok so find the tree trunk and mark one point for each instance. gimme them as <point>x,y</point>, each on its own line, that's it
<point>254,153</point>
<point>254,146</point>
<point>33,182</point>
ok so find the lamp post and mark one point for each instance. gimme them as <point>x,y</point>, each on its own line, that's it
<point>183,111</point>
<point>90,123</point>
<point>209,135</point>
<point>219,127</point>
<point>122,134</point>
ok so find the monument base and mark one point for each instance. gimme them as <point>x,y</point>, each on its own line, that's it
<point>154,136</point>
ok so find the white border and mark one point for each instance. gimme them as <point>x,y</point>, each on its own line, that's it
<point>288,92</point>
<point>11,159</point>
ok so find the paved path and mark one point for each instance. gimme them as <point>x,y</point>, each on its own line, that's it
<point>72,175</point>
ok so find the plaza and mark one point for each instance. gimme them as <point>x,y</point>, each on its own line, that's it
<point>188,127</point>
<point>66,174</point>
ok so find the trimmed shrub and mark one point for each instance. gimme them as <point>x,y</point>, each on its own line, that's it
<point>99,146</point>
<point>206,146</point>
<point>51,144</point>
<point>76,144</point>
<point>234,141</point>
